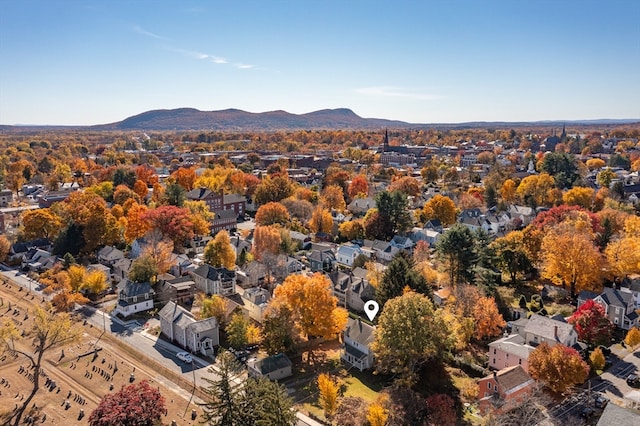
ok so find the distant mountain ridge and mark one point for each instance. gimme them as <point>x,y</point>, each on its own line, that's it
<point>236,120</point>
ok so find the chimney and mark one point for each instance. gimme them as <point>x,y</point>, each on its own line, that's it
<point>555,332</point>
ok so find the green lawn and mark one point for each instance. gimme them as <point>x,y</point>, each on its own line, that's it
<point>355,387</point>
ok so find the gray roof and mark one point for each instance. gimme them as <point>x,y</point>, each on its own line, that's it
<point>132,289</point>
<point>234,198</point>
<point>616,297</point>
<point>224,214</point>
<point>615,415</point>
<point>214,274</point>
<point>198,193</point>
<point>171,312</point>
<point>272,363</point>
<point>514,345</point>
<point>545,327</point>
<point>204,325</point>
<point>359,331</point>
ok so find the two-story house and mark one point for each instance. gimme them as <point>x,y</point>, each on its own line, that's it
<point>347,253</point>
<point>212,280</point>
<point>109,255</point>
<point>527,333</point>
<point>322,260</point>
<point>255,303</point>
<point>180,327</point>
<point>618,305</point>
<point>133,298</point>
<point>351,291</point>
<point>218,201</point>
<point>504,389</point>
<point>358,337</point>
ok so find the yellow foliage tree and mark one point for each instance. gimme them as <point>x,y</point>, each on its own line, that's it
<point>266,240</point>
<point>536,190</point>
<point>95,282</point>
<point>272,213</point>
<point>442,208</point>
<point>570,257</point>
<point>508,191</point>
<point>5,248</point>
<point>579,196</point>
<point>219,252</point>
<point>596,359</point>
<point>41,223</point>
<point>633,337</point>
<point>377,415</point>
<point>210,307</point>
<point>623,256</point>
<point>328,389</point>
<point>314,307</point>
<point>200,216</point>
<point>321,220</point>
<point>333,198</point>
<point>595,164</point>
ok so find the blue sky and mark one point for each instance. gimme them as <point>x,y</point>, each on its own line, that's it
<point>423,61</point>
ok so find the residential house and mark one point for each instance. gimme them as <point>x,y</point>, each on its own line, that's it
<point>441,296</point>
<point>275,367</point>
<point>526,334</point>
<point>239,244</point>
<point>197,244</point>
<point>615,415</point>
<point>508,352</point>
<point>6,197</point>
<point>109,255</point>
<point>522,214</point>
<point>358,337</point>
<point>359,206</point>
<point>223,219</point>
<point>402,243</point>
<point>181,290</point>
<point>286,265</point>
<point>618,305</point>
<point>434,224</point>
<point>303,240</point>
<point>252,274</point>
<point>38,260</point>
<point>383,250</point>
<point>322,260</point>
<point>121,269</point>
<point>133,298</point>
<point>631,284</point>
<point>214,280</point>
<point>180,264</point>
<point>179,326</point>
<point>18,251</point>
<point>255,300</point>
<point>430,236</point>
<point>2,223</point>
<point>46,199</point>
<point>504,389</point>
<point>351,291</point>
<point>347,253</point>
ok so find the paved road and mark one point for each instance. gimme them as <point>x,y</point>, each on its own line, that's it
<point>611,384</point>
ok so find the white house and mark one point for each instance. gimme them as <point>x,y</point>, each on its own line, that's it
<point>358,337</point>
<point>179,326</point>
<point>133,298</point>
<point>214,280</point>
<point>275,367</point>
<point>347,254</point>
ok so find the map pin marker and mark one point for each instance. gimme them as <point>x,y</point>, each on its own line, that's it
<point>371,308</point>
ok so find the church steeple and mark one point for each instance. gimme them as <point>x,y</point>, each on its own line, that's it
<point>385,144</point>
<point>563,136</point>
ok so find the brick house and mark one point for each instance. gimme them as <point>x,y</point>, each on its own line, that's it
<point>504,389</point>
<point>217,201</point>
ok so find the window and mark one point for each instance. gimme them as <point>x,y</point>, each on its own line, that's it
<point>489,385</point>
<point>494,351</point>
<point>507,356</point>
<point>494,361</point>
<point>520,361</point>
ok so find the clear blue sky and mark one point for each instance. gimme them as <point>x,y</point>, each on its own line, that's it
<point>422,61</point>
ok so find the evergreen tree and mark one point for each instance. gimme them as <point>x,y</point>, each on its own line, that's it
<point>223,408</point>
<point>266,403</point>
<point>394,211</point>
<point>399,275</point>
<point>456,249</point>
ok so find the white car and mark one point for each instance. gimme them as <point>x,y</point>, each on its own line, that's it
<point>185,357</point>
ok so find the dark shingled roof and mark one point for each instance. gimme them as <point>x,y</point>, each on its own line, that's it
<point>272,363</point>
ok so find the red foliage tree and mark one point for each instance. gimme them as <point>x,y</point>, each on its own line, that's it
<point>441,410</point>
<point>358,186</point>
<point>134,405</point>
<point>591,323</point>
<point>558,214</point>
<point>173,223</point>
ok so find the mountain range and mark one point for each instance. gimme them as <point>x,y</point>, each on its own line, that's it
<point>235,120</point>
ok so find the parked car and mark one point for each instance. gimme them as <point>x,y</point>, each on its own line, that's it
<point>587,412</point>
<point>633,381</point>
<point>601,401</point>
<point>184,357</point>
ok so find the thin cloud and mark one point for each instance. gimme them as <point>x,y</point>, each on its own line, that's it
<point>244,66</point>
<point>219,60</point>
<point>194,54</point>
<point>396,92</point>
<point>139,30</point>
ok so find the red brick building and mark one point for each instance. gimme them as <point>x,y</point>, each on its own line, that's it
<point>504,389</point>
<point>217,201</point>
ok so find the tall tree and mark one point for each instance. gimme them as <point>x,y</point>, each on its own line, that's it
<point>266,403</point>
<point>211,306</point>
<point>407,185</point>
<point>272,213</point>
<point>333,198</point>
<point>456,250</point>
<point>279,330</point>
<point>328,394</point>
<point>185,177</point>
<point>136,404</point>
<point>397,277</point>
<point>394,212</point>
<point>174,194</point>
<point>559,367</point>
<point>440,207</point>
<point>223,407</point>
<point>266,241</point>
<point>314,307</point>
<point>5,248</point>
<point>359,187</point>
<point>511,255</point>
<point>41,223</point>
<point>49,330</point>
<point>591,323</point>
<point>489,322</point>
<point>321,220</point>
<point>237,331</point>
<point>218,252</point>
<point>273,189</point>
<point>410,332</point>
<point>172,222</point>
<point>563,167</point>
<point>571,258</point>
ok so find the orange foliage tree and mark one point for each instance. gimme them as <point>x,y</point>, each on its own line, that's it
<point>314,307</point>
<point>185,177</point>
<point>407,184</point>
<point>266,240</point>
<point>559,367</point>
<point>440,207</point>
<point>272,213</point>
<point>321,220</point>
<point>333,198</point>
<point>40,223</point>
<point>489,321</point>
<point>359,187</point>
<point>136,226</point>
